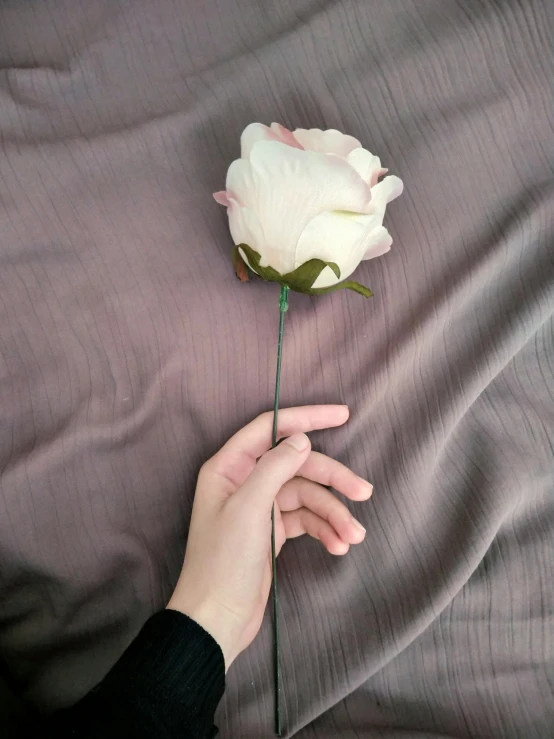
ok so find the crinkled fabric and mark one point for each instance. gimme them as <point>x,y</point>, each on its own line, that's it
<point>129,352</point>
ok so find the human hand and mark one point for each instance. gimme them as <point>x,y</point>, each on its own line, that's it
<point>226,577</point>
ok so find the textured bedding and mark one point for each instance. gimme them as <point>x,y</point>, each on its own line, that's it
<point>129,352</point>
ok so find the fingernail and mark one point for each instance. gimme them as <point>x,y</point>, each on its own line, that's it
<point>300,442</point>
<point>358,525</point>
<point>367,484</point>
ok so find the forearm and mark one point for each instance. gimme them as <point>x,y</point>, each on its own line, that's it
<point>167,684</point>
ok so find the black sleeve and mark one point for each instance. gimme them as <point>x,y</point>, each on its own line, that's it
<point>167,684</point>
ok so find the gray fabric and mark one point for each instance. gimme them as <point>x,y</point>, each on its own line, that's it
<point>129,353</point>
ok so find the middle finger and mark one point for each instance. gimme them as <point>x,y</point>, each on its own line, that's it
<point>301,493</point>
<point>327,471</point>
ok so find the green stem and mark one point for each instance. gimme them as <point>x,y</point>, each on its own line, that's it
<point>283,308</point>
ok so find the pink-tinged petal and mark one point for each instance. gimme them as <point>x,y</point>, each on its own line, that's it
<point>222,198</point>
<point>378,243</point>
<point>258,132</point>
<point>366,164</point>
<point>286,188</point>
<point>251,135</point>
<point>326,142</point>
<point>285,136</point>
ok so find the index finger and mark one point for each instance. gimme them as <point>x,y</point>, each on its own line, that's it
<point>237,458</point>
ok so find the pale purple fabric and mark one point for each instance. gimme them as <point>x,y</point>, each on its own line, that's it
<point>129,352</point>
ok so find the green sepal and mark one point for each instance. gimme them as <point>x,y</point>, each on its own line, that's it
<point>346,285</point>
<point>304,276</point>
<point>301,279</point>
<point>267,273</point>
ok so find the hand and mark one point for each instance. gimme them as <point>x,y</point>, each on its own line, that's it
<point>226,576</point>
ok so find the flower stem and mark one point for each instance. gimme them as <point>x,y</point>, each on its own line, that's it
<point>283,308</point>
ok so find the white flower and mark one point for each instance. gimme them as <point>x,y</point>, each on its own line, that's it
<point>305,195</point>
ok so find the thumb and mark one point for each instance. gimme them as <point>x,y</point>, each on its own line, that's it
<point>273,470</point>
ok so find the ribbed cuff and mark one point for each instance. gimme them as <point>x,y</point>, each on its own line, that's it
<point>173,668</point>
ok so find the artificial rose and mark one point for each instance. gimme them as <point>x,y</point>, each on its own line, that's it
<point>305,207</point>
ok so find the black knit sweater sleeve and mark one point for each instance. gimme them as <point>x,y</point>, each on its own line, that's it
<point>167,684</point>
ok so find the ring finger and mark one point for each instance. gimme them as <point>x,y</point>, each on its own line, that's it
<point>303,521</point>
<point>301,493</point>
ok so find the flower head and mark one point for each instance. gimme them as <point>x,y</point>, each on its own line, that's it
<point>305,207</point>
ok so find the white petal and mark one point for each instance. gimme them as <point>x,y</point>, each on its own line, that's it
<point>336,237</point>
<point>251,135</point>
<point>326,142</point>
<point>366,164</point>
<point>326,278</point>
<point>244,226</point>
<point>383,192</point>
<point>246,229</point>
<point>286,188</point>
<point>378,243</point>
<point>240,181</point>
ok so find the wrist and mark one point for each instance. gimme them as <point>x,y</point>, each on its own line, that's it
<point>219,626</point>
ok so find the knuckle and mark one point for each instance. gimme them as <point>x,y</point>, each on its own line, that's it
<point>269,457</point>
<point>265,417</point>
<point>206,468</point>
<point>276,460</point>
